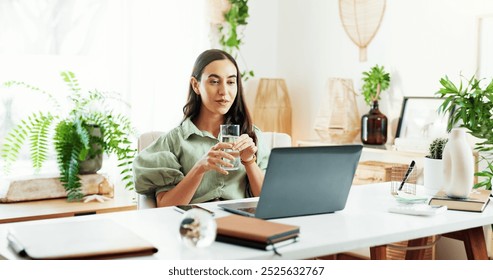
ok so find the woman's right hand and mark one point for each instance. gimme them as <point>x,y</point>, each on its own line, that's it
<point>213,159</point>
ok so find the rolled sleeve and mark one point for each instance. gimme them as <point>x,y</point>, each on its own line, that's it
<point>156,169</point>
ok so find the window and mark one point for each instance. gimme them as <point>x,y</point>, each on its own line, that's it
<point>142,49</point>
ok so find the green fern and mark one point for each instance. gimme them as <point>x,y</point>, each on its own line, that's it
<point>68,147</point>
<point>35,89</point>
<point>71,81</point>
<point>40,125</point>
<point>73,136</point>
<point>13,144</point>
<point>114,129</point>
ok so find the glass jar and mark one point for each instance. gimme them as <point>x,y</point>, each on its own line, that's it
<point>374,126</point>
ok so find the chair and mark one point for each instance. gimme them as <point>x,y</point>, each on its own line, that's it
<point>276,139</point>
<point>272,140</point>
<point>145,139</point>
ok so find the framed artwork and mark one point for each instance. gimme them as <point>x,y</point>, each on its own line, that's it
<point>420,118</point>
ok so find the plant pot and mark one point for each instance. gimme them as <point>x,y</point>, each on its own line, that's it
<point>92,164</point>
<point>433,175</point>
<point>374,126</point>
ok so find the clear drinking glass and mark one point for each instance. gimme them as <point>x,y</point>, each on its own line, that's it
<point>229,133</point>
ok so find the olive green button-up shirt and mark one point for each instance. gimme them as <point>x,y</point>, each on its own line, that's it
<point>162,165</point>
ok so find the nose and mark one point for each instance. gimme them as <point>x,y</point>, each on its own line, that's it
<point>222,89</point>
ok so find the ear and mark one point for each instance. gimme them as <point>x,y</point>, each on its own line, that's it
<point>195,85</point>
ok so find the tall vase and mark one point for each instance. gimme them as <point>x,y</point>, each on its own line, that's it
<point>458,164</point>
<point>374,126</point>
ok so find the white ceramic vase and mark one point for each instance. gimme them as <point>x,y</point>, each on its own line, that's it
<point>433,175</point>
<point>458,163</point>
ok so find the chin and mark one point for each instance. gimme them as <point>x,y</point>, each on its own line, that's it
<point>223,111</point>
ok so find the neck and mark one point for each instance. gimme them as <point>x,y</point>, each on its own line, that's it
<point>209,122</point>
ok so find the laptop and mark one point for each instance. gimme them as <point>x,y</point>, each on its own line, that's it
<point>303,181</point>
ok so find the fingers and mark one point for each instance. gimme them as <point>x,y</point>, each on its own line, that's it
<point>222,145</point>
<point>246,146</point>
<point>243,142</point>
<point>214,164</point>
<point>217,151</point>
<point>216,158</point>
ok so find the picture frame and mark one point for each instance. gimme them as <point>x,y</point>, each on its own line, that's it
<point>420,119</point>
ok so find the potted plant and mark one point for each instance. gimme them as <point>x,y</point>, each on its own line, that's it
<point>230,39</point>
<point>80,135</point>
<point>374,124</point>
<point>433,166</point>
<point>470,105</point>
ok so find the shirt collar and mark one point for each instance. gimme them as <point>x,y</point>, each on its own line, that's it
<point>189,128</point>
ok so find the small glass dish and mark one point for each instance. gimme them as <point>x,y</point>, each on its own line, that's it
<point>406,198</point>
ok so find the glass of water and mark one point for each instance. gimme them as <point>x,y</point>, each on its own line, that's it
<point>229,133</point>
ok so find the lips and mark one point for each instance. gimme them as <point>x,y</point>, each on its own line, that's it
<point>222,101</point>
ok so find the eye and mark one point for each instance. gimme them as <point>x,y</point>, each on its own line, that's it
<point>214,82</point>
<point>232,82</point>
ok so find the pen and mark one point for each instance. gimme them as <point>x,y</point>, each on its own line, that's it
<point>409,170</point>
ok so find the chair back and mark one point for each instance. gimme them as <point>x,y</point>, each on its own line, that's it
<point>276,139</point>
<point>146,139</point>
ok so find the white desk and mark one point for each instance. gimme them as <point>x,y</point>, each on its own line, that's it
<point>364,223</point>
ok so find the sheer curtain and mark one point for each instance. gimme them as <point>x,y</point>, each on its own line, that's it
<point>143,49</point>
<point>165,38</point>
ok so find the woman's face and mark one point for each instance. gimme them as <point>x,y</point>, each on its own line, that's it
<point>217,87</point>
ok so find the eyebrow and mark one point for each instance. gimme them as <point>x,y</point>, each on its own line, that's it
<point>218,77</point>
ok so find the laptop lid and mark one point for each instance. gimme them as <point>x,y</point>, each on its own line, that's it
<point>307,180</point>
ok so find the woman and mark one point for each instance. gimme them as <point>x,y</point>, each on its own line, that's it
<point>184,166</point>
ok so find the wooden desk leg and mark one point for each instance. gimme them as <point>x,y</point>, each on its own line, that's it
<point>474,242</point>
<point>378,252</point>
<point>416,254</point>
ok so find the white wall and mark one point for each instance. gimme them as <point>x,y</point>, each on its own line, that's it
<point>304,42</point>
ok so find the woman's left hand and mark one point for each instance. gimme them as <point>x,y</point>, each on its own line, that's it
<point>246,146</point>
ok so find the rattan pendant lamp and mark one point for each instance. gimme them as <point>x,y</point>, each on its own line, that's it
<point>361,20</point>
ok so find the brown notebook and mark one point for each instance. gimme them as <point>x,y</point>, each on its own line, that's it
<point>254,232</point>
<point>476,202</point>
<point>90,239</point>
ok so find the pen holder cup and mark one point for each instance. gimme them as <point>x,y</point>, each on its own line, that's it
<point>397,174</point>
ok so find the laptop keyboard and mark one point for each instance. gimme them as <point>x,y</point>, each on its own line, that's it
<point>248,209</point>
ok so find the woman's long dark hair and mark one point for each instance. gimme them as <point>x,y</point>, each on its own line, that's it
<point>238,113</point>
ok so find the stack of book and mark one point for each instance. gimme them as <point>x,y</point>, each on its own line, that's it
<point>476,202</point>
<point>255,233</point>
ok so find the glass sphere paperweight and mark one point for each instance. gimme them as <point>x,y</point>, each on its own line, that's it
<point>198,228</point>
